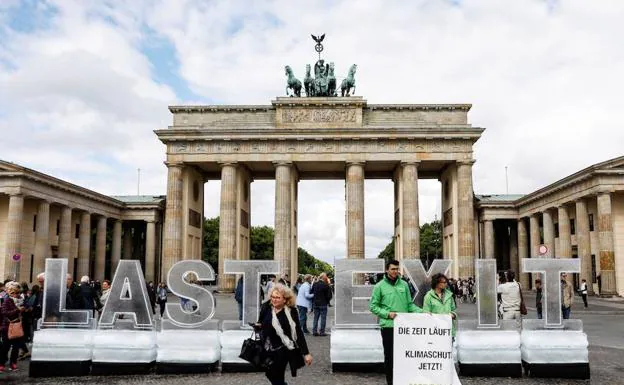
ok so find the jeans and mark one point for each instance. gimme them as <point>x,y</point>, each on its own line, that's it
<point>566,311</point>
<point>319,312</point>
<point>240,310</point>
<point>584,296</point>
<point>539,312</point>
<point>277,371</point>
<point>303,318</point>
<point>162,305</point>
<point>387,340</point>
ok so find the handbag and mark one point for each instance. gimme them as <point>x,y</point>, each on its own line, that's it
<point>253,352</point>
<point>295,360</point>
<point>523,309</point>
<point>15,329</point>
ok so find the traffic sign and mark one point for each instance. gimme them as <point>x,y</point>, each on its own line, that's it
<point>543,249</point>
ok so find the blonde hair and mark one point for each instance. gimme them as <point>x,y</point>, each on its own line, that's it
<point>12,286</point>
<point>285,292</point>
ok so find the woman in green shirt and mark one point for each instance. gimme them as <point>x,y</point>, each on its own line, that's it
<point>439,300</point>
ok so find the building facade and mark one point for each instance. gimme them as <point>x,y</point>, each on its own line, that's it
<point>45,217</point>
<point>580,216</point>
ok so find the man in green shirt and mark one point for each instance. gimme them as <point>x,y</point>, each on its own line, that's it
<point>391,295</point>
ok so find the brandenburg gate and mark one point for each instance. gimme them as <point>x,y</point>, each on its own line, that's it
<point>296,138</point>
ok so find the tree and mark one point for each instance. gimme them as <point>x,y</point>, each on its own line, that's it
<point>430,243</point>
<point>261,247</point>
<point>211,242</point>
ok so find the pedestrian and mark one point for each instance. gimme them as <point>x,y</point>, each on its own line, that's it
<point>106,286</point>
<point>538,298</point>
<point>510,297</point>
<point>304,302</point>
<point>270,284</point>
<point>439,300</point>
<point>390,296</point>
<point>238,297</point>
<point>151,293</point>
<point>11,312</point>
<point>89,299</point>
<point>73,299</point>
<point>33,309</point>
<point>281,335</point>
<point>583,291</point>
<point>322,297</point>
<point>567,295</point>
<point>162,298</point>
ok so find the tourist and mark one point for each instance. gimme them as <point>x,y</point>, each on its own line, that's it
<point>390,296</point>
<point>238,297</point>
<point>322,297</point>
<point>151,293</point>
<point>583,291</point>
<point>73,298</point>
<point>567,295</point>
<point>106,286</point>
<point>89,299</point>
<point>162,298</point>
<point>33,309</point>
<point>270,284</point>
<point>282,335</point>
<point>538,298</point>
<point>439,300</point>
<point>10,312</point>
<point>304,303</point>
<point>510,297</point>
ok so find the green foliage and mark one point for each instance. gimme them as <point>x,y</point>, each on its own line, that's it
<point>261,243</point>
<point>310,265</point>
<point>430,243</point>
<point>261,247</point>
<point>211,242</point>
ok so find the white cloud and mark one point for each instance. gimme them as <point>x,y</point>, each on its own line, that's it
<point>544,79</point>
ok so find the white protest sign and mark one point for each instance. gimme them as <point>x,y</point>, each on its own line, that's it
<point>423,349</point>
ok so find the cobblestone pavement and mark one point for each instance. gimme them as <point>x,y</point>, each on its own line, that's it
<point>605,332</point>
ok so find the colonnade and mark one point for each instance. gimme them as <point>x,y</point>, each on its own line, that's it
<point>529,239</point>
<point>91,258</point>
<point>286,174</point>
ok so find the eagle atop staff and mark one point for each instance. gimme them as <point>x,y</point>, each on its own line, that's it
<point>318,39</point>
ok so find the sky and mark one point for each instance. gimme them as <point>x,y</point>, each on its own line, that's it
<point>83,84</point>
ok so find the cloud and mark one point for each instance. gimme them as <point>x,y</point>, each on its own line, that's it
<point>83,90</point>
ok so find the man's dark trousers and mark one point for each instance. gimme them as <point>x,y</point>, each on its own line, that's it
<point>320,312</point>
<point>387,339</point>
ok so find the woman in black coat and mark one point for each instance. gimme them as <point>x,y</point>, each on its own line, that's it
<point>282,335</point>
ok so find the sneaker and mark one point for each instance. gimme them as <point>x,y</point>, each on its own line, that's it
<point>2,368</point>
<point>13,367</point>
<point>315,334</point>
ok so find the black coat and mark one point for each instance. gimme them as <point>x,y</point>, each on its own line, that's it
<point>268,331</point>
<point>322,293</point>
<point>89,300</point>
<point>73,297</point>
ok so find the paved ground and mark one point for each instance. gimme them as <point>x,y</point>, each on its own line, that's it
<point>603,322</point>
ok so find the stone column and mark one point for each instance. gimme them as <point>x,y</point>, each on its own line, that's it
<point>172,238</point>
<point>565,237</point>
<point>227,224</point>
<point>514,262</point>
<point>84,245</point>
<point>410,234</point>
<point>605,240</point>
<point>583,243</point>
<point>14,235</point>
<point>127,241</point>
<point>523,251</point>
<point>465,219</point>
<point>282,252</point>
<point>65,233</point>
<point>355,210</point>
<point>488,230</point>
<point>150,251</point>
<point>549,233</point>
<point>100,249</point>
<point>116,252</point>
<point>534,235</point>
<point>42,237</point>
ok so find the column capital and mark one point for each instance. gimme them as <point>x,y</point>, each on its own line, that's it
<point>465,162</point>
<point>283,163</point>
<point>173,164</point>
<point>224,164</point>
<point>16,195</point>
<point>355,162</point>
<point>410,163</point>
